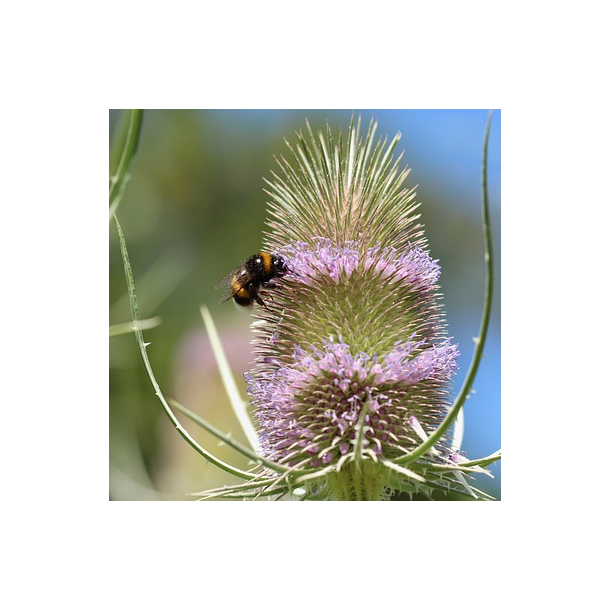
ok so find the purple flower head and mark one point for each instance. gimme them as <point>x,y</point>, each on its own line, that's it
<point>338,262</point>
<point>309,411</point>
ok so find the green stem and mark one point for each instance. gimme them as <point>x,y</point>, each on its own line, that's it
<point>480,340</point>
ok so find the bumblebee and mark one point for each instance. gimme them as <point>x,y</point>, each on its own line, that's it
<point>244,283</point>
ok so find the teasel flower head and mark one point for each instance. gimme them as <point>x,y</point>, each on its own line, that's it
<point>352,359</point>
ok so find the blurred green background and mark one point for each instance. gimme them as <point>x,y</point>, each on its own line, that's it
<point>195,208</point>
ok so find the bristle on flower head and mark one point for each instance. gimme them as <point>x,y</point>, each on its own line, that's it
<point>343,191</point>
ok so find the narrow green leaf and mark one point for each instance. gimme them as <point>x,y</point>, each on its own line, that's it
<point>129,327</point>
<point>142,345</point>
<point>225,438</point>
<point>122,155</point>
<point>436,436</point>
<point>238,404</point>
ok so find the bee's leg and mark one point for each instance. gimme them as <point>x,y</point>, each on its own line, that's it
<point>253,292</point>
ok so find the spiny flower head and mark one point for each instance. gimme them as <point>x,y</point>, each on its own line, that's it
<point>352,359</point>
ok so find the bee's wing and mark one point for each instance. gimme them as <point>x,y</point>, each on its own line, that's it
<point>232,283</point>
